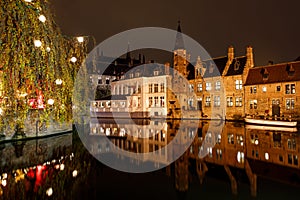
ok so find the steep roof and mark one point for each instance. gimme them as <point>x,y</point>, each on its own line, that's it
<point>237,66</point>
<point>284,72</point>
<point>215,67</point>
<point>179,44</point>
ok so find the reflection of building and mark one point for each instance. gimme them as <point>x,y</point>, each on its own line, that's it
<point>143,136</point>
<point>256,152</point>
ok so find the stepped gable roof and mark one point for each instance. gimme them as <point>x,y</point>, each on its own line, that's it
<point>215,66</point>
<point>284,72</point>
<point>237,66</point>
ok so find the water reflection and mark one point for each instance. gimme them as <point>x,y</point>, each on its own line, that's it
<point>241,157</point>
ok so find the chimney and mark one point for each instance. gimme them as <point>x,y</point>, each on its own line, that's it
<point>167,68</point>
<point>250,59</point>
<point>230,53</point>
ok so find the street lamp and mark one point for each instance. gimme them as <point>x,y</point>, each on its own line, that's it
<point>58,81</point>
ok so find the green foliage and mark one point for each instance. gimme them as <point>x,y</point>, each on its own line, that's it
<point>27,69</point>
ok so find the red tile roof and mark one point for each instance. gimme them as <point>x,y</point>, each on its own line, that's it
<point>284,72</point>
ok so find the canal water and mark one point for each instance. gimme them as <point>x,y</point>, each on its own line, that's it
<point>224,161</point>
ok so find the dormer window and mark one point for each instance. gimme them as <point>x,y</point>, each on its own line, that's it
<point>290,69</point>
<point>237,65</point>
<point>265,74</point>
<point>137,74</point>
<point>156,73</point>
<point>211,68</point>
<point>131,75</point>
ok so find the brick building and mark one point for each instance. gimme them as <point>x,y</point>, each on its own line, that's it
<point>272,90</point>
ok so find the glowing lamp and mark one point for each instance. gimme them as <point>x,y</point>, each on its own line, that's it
<point>37,43</point>
<point>58,81</point>
<point>73,59</point>
<point>48,49</point>
<point>42,18</point>
<point>80,39</point>
<point>50,102</point>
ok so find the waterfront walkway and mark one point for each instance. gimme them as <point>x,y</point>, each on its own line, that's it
<point>5,139</point>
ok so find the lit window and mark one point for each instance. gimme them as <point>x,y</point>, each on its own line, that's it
<point>218,85</point>
<point>199,87</point>
<point>207,101</point>
<point>290,104</point>
<point>238,101</point>
<point>278,88</point>
<point>209,149</point>
<point>150,101</point>
<point>191,87</point>
<point>150,88</point>
<point>291,144</point>
<point>162,101</point>
<point>217,101</point>
<point>155,101</point>
<point>239,140</point>
<point>190,102</point>
<point>238,84</point>
<point>253,104</point>
<point>229,101</point>
<point>240,157</point>
<point>219,139</point>
<point>290,89</point>
<point>162,87</point>
<point>155,88</point>
<point>264,89</point>
<point>219,154</point>
<point>230,138</point>
<point>208,86</point>
<point>267,157</point>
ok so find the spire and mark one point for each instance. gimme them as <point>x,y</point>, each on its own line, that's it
<point>179,44</point>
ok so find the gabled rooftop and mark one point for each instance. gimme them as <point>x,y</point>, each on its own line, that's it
<point>284,72</point>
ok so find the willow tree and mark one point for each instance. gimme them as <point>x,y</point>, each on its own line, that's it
<point>37,64</point>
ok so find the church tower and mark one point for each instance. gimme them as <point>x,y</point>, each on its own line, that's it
<point>180,57</point>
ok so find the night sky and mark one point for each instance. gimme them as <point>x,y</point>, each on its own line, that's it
<point>270,27</point>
